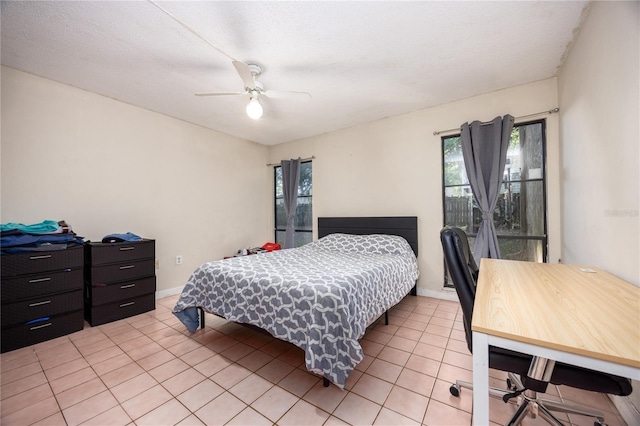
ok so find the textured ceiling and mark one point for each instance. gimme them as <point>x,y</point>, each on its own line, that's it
<point>361,61</point>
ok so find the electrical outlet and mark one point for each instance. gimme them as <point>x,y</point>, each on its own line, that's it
<point>157,263</point>
<point>179,260</point>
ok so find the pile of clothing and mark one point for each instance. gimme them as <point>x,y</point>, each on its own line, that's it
<point>44,236</point>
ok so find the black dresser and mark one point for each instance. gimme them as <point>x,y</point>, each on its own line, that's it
<point>119,280</point>
<point>41,296</point>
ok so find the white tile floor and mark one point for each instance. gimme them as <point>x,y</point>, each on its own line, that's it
<point>148,370</point>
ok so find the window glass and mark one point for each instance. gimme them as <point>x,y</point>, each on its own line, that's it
<point>304,209</point>
<point>520,213</point>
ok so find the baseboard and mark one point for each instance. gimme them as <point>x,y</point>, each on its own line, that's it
<point>169,292</point>
<point>444,294</point>
<point>627,410</point>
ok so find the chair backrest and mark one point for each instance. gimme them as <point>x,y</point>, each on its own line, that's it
<point>463,271</point>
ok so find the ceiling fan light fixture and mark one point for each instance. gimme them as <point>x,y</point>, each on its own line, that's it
<point>254,109</point>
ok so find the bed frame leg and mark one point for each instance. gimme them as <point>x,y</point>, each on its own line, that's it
<point>325,382</point>
<point>386,317</point>
<point>201,317</point>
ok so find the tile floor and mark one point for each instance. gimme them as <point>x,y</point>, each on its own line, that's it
<point>148,370</point>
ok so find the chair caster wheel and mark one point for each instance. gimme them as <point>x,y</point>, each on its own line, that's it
<point>455,390</point>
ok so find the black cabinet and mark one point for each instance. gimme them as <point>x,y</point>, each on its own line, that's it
<point>119,280</point>
<point>41,296</point>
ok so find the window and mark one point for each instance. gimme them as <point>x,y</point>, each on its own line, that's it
<point>304,216</point>
<point>520,214</point>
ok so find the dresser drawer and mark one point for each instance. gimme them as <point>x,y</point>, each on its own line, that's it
<point>100,295</point>
<point>102,314</point>
<point>29,334</point>
<point>34,285</point>
<point>41,261</point>
<point>40,307</point>
<point>106,253</point>
<point>107,274</point>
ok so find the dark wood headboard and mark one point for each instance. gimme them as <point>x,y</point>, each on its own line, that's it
<point>404,226</point>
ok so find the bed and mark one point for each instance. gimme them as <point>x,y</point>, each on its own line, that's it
<point>321,297</point>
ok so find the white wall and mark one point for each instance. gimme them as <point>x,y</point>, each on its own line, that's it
<point>600,134</point>
<point>599,94</point>
<point>105,167</point>
<point>394,167</point>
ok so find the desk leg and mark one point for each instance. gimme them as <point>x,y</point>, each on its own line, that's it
<point>480,379</point>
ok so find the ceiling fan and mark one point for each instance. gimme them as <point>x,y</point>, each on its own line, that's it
<point>247,72</point>
<point>252,87</point>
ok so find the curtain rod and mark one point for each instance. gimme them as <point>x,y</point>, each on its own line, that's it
<point>313,157</point>
<point>551,111</point>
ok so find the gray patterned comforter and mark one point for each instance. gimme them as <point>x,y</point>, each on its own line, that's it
<point>320,297</point>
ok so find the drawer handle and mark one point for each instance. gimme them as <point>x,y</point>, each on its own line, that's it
<point>127,304</point>
<point>40,326</point>
<point>127,248</point>
<point>39,280</point>
<point>44,256</point>
<point>128,286</point>
<point>127,267</point>
<point>31,305</point>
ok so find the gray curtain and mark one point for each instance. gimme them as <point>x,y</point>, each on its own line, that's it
<point>290,178</point>
<point>484,148</point>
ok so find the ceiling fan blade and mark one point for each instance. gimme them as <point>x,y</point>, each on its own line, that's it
<point>245,74</point>
<point>282,94</point>
<point>219,94</point>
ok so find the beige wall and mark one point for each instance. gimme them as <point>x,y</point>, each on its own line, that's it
<point>105,166</point>
<point>599,95</point>
<point>394,167</point>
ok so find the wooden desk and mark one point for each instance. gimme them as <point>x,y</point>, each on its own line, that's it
<point>559,312</point>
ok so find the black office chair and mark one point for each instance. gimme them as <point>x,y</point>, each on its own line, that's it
<point>522,387</point>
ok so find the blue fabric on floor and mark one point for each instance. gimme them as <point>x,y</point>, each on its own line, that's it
<point>190,318</point>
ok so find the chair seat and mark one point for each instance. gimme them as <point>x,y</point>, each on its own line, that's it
<point>563,374</point>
